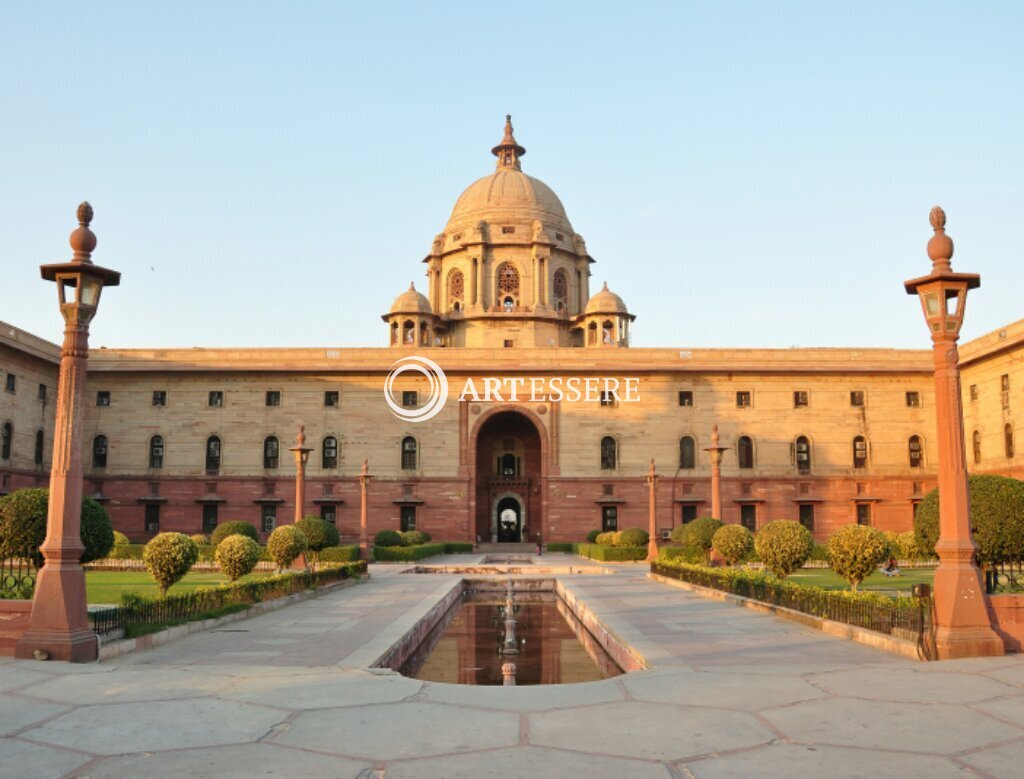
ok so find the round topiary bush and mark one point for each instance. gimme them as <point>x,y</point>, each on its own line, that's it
<point>234,528</point>
<point>120,539</point>
<point>908,547</point>
<point>414,538</point>
<point>23,525</point>
<point>592,536</point>
<point>732,542</point>
<point>387,538</point>
<point>698,534</point>
<point>319,533</point>
<point>855,550</point>
<point>201,539</point>
<point>605,539</point>
<point>632,536</point>
<point>237,555</point>
<point>168,557</point>
<point>285,544</point>
<point>997,519</point>
<point>783,546</point>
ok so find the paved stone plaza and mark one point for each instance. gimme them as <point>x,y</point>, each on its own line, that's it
<point>731,693</point>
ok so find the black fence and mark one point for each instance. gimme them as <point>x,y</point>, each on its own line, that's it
<point>18,576</point>
<point>1004,577</point>
<point>175,609</point>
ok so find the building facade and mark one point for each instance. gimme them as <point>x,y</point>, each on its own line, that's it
<point>183,439</point>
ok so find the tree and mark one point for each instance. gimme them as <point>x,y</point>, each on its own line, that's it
<point>285,544</point>
<point>783,546</point>
<point>855,550</point>
<point>698,534</point>
<point>732,543</point>
<point>23,525</point>
<point>997,519</point>
<point>320,534</point>
<point>234,528</point>
<point>237,555</point>
<point>168,557</point>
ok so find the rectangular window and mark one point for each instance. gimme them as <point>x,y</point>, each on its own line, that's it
<point>408,518</point>
<point>268,517</point>
<point>329,512</point>
<point>609,519</point>
<point>42,392</point>
<point>688,513</point>
<point>913,400</point>
<point>607,398</point>
<point>103,398</point>
<point>159,397</point>
<point>863,513</point>
<point>216,398</point>
<point>209,517</point>
<point>974,392</point>
<point>685,397</point>
<point>857,398</point>
<point>410,398</point>
<point>742,400</point>
<point>509,343</point>
<point>807,516</point>
<point>12,382</point>
<point>800,399</point>
<point>331,398</point>
<point>273,397</point>
<point>152,517</point>
<point>507,230</point>
<point>748,516</point>
<point>607,489</point>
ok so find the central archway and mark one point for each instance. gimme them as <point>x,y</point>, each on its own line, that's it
<point>508,478</point>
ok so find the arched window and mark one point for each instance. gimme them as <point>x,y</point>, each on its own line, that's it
<point>560,290</point>
<point>271,451</point>
<point>860,452</point>
<point>976,446</point>
<point>212,454</point>
<point>608,454</point>
<point>592,333</point>
<point>745,451</point>
<point>329,459</point>
<point>607,333</point>
<point>424,334</point>
<point>1008,440</point>
<point>99,452</point>
<point>687,452</point>
<point>40,440</point>
<point>916,451</point>
<point>156,451</point>
<point>394,332</point>
<point>508,286</point>
<point>456,289</point>
<point>6,442</point>
<point>409,333</point>
<point>409,453</point>
<point>509,466</point>
<point>802,454</point>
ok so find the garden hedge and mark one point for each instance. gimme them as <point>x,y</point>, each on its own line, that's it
<point>340,554</point>
<point>458,547</point>
<point>387,538</point>
<point>561,546</point>
<point>611,554</point>
<point>405,554</point>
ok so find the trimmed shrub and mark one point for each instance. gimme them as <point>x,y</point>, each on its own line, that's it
<point>23,525</point>
<point>387,538</point>
<point>120,539</point>
<point>605,539</point>
<point>458,547</point>
<point>909,548</point>
<point>592,536</point>
<point>681,553</point>
<point>677,534</point>
<point>235,528</point>
<point>414,538</point>
<point>632,536</point>
<point>201,539</point>
<point>168,557</point>
<point>339,554</point>
<point>237,555</point>
<point>698,534</point>
<point>285,544</point>
<point>404,554</point>
<point>319,534</point>
<point>997,519</point>
<point>855,550</point>
<point>732,542</point>
<point>560,546</point>
<point>783,546</point>
<point>611,553</point>
<point>819,553</point>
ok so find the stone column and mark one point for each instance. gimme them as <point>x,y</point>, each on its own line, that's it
<point>715,452</point>
<point>652,512</point>
<point>301,452</point>
<point>364,541</point>
<point>473,282</point>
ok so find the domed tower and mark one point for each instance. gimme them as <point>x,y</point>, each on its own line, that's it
<point>412,322</point>
<point>605,322</point>
<point>509,270</point>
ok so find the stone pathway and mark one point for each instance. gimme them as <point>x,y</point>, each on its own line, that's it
<point>730,693</point>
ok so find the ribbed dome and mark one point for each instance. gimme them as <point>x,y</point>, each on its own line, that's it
<point>509,195</point>
<point>411,302</point>
<point>606,302</point>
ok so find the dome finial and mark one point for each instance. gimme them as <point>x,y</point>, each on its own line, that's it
<point>940,247</point>
<point>82,239</point>
<point>508,151</point>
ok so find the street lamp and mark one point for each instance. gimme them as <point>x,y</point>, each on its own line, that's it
<point>963,626</point>
<point>59,625</point>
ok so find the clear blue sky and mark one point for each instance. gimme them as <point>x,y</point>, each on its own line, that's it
<point>746,174</point>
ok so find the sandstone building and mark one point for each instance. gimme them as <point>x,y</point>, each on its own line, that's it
<point>181,439</point>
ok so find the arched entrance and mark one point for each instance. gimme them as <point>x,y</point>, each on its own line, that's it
<point>508,478</point>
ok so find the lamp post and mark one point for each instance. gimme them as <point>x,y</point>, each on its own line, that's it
<point>715,452</point>
<point>301,452</point>
<point>364,541</point>
<point>651,480</point>
<point>59,624</point>
<point>963,626</point>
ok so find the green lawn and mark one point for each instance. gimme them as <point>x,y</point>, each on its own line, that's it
<point>107,586</point>
<point>823,577</point>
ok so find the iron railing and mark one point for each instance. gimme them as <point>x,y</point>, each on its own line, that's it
<point>1004,577</point>
<point>18,576</point>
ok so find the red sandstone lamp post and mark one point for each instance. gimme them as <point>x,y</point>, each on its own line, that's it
<point>963,627</point>
<point>59,625</point>
<point>301,458</point>
<point>364,540</point>
<point>652,510</point>
<point>715,451</point>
